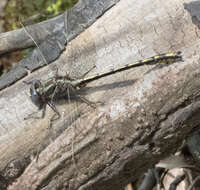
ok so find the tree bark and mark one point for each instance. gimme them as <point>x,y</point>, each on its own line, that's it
<point>87,14</point>
<point>147,113</point>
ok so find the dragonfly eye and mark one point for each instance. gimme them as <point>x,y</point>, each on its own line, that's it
<point>35,87</point>
<point>36,96</point>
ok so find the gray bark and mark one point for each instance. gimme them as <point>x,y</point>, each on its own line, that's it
<point>81,16</point>
<point>147,112</point>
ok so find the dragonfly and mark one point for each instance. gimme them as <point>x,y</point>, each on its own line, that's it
<point>44,93</point>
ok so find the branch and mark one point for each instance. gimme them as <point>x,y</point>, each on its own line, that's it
<point>77,21</point>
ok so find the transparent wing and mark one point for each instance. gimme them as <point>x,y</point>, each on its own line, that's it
<point>80,60</point>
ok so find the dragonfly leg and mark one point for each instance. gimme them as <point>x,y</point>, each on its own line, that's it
<point>88,71</point>
<point>92,104</point>
<point>53,95</point>
<point>44,111</point>
<point>33,116</point>
<point>82,76</point>
<point>88,102</point>
<point>57,115</point>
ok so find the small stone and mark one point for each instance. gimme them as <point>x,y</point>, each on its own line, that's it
<point>139,119</point>
<point>119,136</point>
